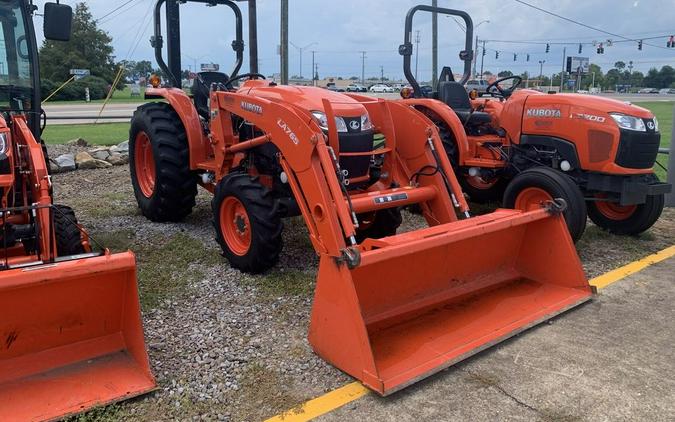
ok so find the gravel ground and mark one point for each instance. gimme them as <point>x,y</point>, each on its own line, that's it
<point>230,346</point>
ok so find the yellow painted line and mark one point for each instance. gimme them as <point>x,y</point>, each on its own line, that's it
<point>350,392</point>
<point>322,405</point>
<point>632,268</point>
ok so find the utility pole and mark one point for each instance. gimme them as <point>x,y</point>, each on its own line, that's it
<point>283,51</point>
<point>417,53</point>
<point>562,73</point>
<point>381,73</point>
<point>475,57</point>
<point>434,46</point>
<point>363,67</point>
<point>301,50</point>
<point>313,69</point>
<point>316,74</point>
<point>541,69</point>
<point>482,60</point>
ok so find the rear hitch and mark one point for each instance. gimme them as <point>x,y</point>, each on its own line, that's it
<point>556,206</point>
<point>351,256</point>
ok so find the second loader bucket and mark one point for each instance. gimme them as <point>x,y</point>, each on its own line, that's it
<point>422,301</point>
<point>70,338</point>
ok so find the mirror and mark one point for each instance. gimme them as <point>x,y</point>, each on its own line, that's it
<point>58,21</point>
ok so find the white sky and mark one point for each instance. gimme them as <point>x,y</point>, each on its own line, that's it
<point>342,28</point>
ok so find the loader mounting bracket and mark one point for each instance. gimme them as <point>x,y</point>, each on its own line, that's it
<point>556,206</point>
<point>351,256</point>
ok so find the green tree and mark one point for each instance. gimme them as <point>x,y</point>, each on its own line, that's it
<point>651,80</point>
<point>504,73</point>
<point>666,77</point>
<point>89,48</point>
<point>620,65</point>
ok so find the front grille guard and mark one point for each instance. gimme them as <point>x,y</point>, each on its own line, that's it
<point>42,257</point>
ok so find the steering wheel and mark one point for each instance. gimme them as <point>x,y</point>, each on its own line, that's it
<point>501,92</point>
<point>245,76</point>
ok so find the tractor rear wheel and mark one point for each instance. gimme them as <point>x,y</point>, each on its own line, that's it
<point>529,189</point>
<point>66,231</point>
<point>379,224</point>
<point>247,222</point>
<point>628,219</point>
<point>159,161</point>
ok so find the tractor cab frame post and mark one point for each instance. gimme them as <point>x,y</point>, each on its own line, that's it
<point>172,66</point>
<point>406,49</point>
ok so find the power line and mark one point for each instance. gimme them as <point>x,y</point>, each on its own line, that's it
<point>114,10</point>
<point>582,24</point>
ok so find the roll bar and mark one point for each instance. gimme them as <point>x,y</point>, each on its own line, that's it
<point>173,68</point>
<point>406,49</point>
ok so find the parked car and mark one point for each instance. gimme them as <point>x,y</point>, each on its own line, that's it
<point>398,87</point>
<point>479,85</point>
<point>666,91</point>
<point>381,88</point>
<point>356,88</point>
<point>648,91</point>
<point>335,88</point>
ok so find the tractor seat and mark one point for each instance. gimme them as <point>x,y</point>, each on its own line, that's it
<point>454,95</point>
<point>201,90</point>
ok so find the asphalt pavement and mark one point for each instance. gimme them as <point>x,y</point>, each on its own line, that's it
<point>611,359</point>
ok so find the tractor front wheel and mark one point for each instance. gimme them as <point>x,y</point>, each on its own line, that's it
<point>159,161</point>
<point>247,222</point>
<point>626,219</point>
<point>531,188</point>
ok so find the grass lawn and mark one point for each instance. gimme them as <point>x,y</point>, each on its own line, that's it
<point>123,96</point>
<point>96,134</point>
<point>663,110</point>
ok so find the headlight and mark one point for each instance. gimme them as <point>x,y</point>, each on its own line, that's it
<point>366,124</point>
<point>322,120</point>
<point>4,145</point>
<point>656,125</point>
<point>629,122</point>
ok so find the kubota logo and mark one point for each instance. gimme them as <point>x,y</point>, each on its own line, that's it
<point>253,108</point>
<point>544,112</point>
<point>288,131</point>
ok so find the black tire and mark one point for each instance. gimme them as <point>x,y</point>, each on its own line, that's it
<point>557,185</point>
<point>644,216</point>
<point>66,231</point>
<point>175,187</point>
<point>264,218</point>
<point>385,224</point>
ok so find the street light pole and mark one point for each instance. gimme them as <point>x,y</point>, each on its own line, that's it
<point>541,69</point>
<point>417,52</point>
<point>475,49</point>
<point>301,49</point>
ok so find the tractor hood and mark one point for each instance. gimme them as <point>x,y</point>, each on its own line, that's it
<point>588,103</point>
<point>305,97</point>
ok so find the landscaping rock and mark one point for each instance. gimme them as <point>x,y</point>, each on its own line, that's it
<point>54,167</point>
<point>66,162</point>
<point>84,160</point>
<point>101,164</point>
<point>78,142</point>
<point>117,159</point>
<point>100,153</point>
<point>122,147</point>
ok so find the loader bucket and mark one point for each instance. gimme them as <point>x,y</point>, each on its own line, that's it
<point>70,338</point>
<point>422,301</point>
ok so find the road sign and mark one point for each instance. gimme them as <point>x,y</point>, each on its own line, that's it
<point>210,67</point>
<point>578,65</point>
<point>80,73</point>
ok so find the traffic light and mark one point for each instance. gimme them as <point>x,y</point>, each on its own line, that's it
<point>528,57</point>
<point>548,47</point>
<point>640,45</point>
<point>671,42</point>
<point>496,54</point>
<point>515,57</point>
<point>580,47</point>
<point>601,49</point>
<point>484,52</point>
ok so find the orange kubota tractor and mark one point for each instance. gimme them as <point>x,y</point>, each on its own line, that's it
<point>525,147</point>
<point>70,327</point>
<point>389,309</point>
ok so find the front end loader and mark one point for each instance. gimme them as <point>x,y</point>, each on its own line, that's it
<point>71,335</point>
<point>389,308</point>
